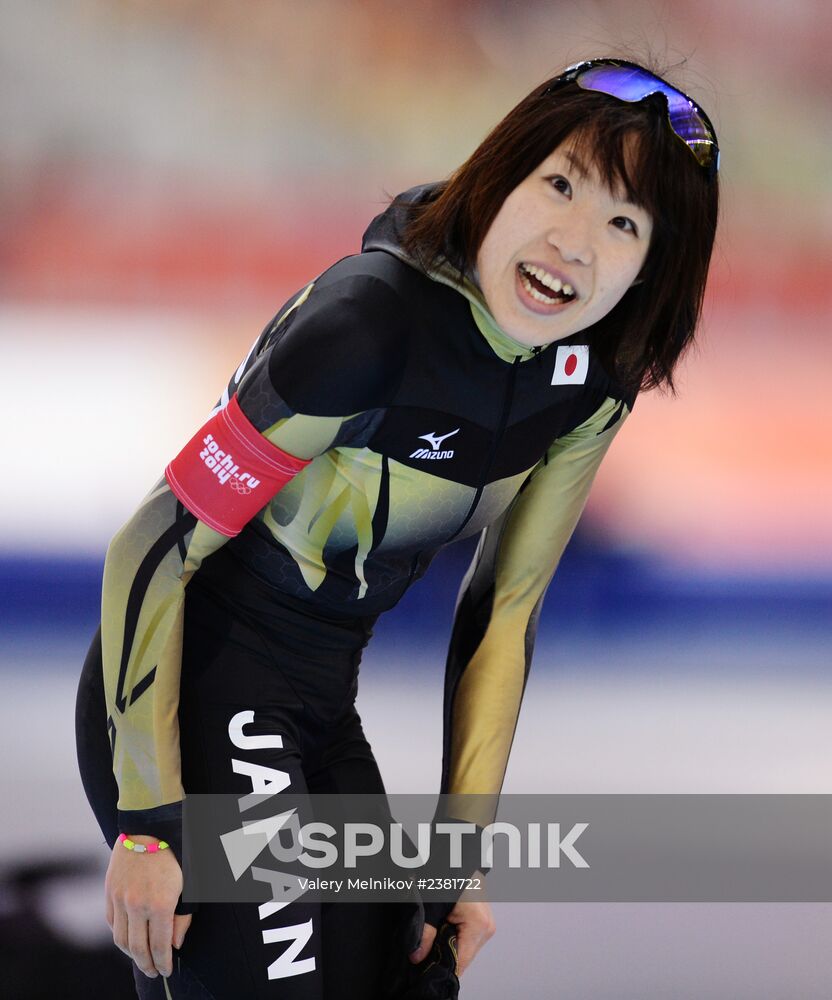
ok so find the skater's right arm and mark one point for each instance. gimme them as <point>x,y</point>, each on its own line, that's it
<point>339,357</point>
<point>148,565</point>
<point>188,516</point>
<point>291,405</point>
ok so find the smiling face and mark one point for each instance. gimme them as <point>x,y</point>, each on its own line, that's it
<point>561,251</point>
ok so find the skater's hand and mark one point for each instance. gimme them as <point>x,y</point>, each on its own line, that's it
<point>474,923</point>
<point>141,893</point>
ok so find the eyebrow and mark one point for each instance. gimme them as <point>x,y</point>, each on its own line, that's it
<point>577,163</point>
<point>619,194</point>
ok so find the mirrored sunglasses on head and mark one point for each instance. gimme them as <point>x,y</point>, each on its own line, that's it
<point>629,82</point>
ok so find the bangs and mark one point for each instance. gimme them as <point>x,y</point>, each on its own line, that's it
<point>627,157</point>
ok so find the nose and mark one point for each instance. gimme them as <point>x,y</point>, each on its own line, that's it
<point>572,238</point>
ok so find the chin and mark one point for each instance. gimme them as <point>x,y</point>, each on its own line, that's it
<point>540,338</point>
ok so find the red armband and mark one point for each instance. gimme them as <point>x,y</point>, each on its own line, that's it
<point>228,471</point>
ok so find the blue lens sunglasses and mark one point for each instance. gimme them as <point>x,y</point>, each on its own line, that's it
<point>629,82</point>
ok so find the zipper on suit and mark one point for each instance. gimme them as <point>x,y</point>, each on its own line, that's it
<point>508,397</point>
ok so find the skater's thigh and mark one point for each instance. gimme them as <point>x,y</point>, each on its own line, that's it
<point>241,733</point>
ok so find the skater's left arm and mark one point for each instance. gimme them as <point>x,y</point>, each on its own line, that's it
<point>493,637</point>
<point>497,611</point>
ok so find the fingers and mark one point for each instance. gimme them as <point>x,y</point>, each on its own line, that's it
<point>119,926</point>
<point>160,937</point>
<point>474,927</point>
<point>138,943</point>
<point>428,935</point>
<point>148,942</point>
<point>181,923</point>
<point>468,943</point>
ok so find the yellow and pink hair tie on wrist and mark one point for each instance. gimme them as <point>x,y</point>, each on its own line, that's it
<point>131,845</point>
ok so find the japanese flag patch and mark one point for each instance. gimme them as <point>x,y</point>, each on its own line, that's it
<point>571,365</point>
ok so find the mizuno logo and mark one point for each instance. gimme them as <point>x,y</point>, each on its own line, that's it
<point>435,442</point>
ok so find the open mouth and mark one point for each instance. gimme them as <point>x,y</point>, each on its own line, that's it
<point>544,287</point>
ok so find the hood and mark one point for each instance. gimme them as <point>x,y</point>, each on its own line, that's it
<point>384,233</point>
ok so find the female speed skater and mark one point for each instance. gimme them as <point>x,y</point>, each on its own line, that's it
<point>464,374</point>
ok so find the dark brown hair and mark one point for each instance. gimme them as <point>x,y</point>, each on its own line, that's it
<point>642,338</point>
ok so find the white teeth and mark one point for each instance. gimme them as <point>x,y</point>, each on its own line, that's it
<point>535,294</point>
<point>549,280</point>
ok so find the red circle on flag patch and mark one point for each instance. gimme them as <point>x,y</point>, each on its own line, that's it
<point>571,364</point>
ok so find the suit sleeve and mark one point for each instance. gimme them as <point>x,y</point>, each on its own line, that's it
<point>283,414</point>
<point>149,563</point>
<point>497,611</point>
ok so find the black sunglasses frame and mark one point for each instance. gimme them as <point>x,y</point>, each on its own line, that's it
<point>572,74</point>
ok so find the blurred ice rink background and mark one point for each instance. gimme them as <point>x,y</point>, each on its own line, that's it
<point>171,170</point>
